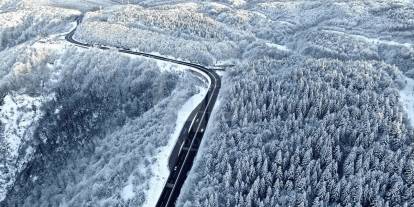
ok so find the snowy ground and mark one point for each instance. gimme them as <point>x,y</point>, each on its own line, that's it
<point>160,168</point>
<point>18,115</point>
<point>279,47</point>
<point>407,98</point>
<point>375,41</point>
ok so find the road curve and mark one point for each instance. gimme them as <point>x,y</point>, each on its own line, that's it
<point>186,148</point>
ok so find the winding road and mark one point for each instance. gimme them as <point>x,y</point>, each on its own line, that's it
<point>185,150</point>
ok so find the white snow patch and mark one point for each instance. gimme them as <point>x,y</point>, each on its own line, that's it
<point>18,114</point>
<point>407,99</point>
<point>375,41</point>
<point>48,44</point>
<point>221,73</point>
<point>11,19</point>
<point>237,2</point>
<point>167,66</point>
<point>160,168</point>
<point>128,191</point>
<point>279,47</point>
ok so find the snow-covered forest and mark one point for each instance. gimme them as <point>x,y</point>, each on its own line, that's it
<point>309,137</point>
<point>317,111</point>
<point>88,124</point>
<point>322,126</point>
<point>16,27</point>
<point>106,119</point>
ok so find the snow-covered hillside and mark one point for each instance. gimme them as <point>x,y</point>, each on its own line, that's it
<point>184,31</point>
<point>321,124</point>
<point>316,110</point>
<point>19,116</point>
<point>126,122</point>
<point>17,27</point>
<point>18,113</point>
<point>81,5</point>
<point>49,120</point>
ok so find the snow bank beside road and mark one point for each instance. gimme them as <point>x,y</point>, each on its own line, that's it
<point>160,167</point>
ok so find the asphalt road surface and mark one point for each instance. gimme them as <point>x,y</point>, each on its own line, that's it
<point>186,148</point>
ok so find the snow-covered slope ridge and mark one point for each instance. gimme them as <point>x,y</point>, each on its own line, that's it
<point>18,118</point>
